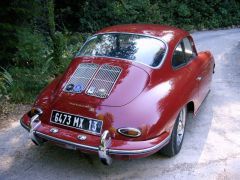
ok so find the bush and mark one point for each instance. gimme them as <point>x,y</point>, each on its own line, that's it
<point>72,43</point>
<point>39,38</point>
<point>32,62</point>
<point>32,49</point>
<point>27,83</point>
<point>6,82</point>
<point>34,66</point>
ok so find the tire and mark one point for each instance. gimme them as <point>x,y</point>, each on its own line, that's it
<point>177,136</point>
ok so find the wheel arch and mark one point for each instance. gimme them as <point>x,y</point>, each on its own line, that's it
<point>191,107</point>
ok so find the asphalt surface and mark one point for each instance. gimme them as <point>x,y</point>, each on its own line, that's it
<point>211,147</point>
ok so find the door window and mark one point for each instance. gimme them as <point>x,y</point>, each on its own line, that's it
<point>178,56</point>
<point>188,50</point>
<point>183,53</point>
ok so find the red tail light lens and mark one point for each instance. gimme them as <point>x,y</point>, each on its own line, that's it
<point>34,111</point>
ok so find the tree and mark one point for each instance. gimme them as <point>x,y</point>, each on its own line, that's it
<point>56,37</point>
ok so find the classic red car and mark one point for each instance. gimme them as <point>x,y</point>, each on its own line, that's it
<point>125,95</point>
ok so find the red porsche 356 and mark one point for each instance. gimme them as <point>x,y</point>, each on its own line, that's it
<point>125,95</point>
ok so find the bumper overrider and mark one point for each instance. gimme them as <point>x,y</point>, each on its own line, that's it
<point>104,146</point>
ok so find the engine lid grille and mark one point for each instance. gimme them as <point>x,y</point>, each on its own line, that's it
<point>104,81</point>
<point>81,77</point>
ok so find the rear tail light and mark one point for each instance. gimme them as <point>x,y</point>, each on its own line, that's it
<point>34,111</point>
<point>34,116</point>
<point>129,132</point>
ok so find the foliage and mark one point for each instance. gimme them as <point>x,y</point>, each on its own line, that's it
<point>32,49</point>
<point>117,12</point>
<point>31,65</point>
<point>6,81</point>
<point>34,67</point>
<point>40,37</point>
<point>96,14</point>
<point>13,14</point>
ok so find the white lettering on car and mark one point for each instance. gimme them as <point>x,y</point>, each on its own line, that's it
<point>56,117</point>
<point>65,117</point>
<point>60,118</point>
<point>94,127</point>
<point>81,123</point>
<point>76,121</point>
<point>90,124</point>
<point>68,120</point>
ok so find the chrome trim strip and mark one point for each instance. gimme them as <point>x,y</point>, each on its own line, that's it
<point>139,151</point>
<point>39,110</point>
<point>110,151</point>
<point>24,125</point>
<point>57,140</point>
<point>146,35</point>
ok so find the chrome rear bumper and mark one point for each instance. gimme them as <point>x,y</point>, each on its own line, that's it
<point>104,149</point>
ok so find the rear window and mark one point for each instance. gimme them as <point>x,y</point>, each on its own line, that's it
<point>139,48</point>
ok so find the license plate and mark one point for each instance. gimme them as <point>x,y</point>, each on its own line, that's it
<point>78,122</point>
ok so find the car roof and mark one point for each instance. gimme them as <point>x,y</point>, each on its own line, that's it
<point>169,34</point>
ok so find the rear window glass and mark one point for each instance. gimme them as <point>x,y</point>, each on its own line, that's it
<point>139,48</point>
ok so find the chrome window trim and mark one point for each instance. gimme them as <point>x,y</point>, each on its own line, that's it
<point>146,35</point>
<point>184,64</point>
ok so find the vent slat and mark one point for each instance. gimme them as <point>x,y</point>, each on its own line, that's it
<point>103,82</point>
<point>81,76</point>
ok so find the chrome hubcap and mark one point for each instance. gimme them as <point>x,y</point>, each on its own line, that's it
<point>181,126</point>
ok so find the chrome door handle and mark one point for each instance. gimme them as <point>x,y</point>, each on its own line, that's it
<point>199,78</point>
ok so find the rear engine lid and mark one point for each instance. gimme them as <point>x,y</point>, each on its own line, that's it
<point>106,83</point>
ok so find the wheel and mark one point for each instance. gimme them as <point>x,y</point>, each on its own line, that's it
<point>175,143</point>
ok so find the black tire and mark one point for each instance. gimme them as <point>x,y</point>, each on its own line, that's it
<point>174,145</point>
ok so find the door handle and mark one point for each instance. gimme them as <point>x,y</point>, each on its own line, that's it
<point>199,78</point>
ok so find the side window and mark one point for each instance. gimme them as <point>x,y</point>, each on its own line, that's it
<point>178,56</point>
<point>189,54</point>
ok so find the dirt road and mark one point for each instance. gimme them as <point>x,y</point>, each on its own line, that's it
<point>211,147</point>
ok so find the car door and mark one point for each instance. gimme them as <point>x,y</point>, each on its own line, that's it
<point>192,71</point>
<point>204,77</point>
<point>186,70</point>
<point>199,70</point>
<point>192,63</point>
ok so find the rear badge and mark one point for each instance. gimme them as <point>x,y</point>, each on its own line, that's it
<point>54,130</point>
<point>69,87</point>
<point>78,88</point>
<point>91,90</point>
<point>82,137</point>
<point>102,91</point>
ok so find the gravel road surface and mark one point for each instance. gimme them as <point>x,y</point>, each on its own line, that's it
<point>211,147</point>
